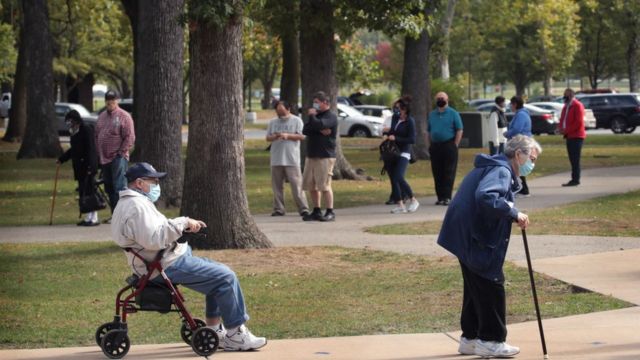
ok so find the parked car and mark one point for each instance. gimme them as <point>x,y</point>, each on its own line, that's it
<point>374,110</point>
<point>589,118</point>
<point>480,102</point>
<point>541,98</point>
<point>63,108</point>
<point>125,104</point>
<point>542,121</point>
<point>352,122</point>
<point>618,112</point>
<point>345,101</point>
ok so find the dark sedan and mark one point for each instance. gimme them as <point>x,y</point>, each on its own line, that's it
<point>542,121</point>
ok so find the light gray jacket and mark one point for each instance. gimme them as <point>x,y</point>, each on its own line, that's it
<point>137,224</point>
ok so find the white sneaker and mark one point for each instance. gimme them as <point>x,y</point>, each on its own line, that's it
<point>399,210</point>
<point>243,340</point>
<point>488,349</point>
<point>467,347</point>
<point>413,205</point>
<point>220,331</point>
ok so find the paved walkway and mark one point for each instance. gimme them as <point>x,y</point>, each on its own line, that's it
<point>607,265</point>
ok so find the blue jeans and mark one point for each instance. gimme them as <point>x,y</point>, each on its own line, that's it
<point>114,180</point>
<point>399,186</point>
<point>216,281</point>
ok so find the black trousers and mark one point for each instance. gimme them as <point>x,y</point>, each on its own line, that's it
<point>574,149</point>
<point>483,308</point>
<point>525,187</point>
<point>444,163</point>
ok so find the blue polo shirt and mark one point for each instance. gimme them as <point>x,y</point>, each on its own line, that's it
<point>443,125</point>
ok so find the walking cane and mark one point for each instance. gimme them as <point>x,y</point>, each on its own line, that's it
<point>55,190</point>
<point>535,295</point>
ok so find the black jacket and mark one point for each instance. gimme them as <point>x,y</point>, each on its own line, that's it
<point>82,152</point>
<point>405,132</point>
<point>502,118</point>
<point>318,145</point>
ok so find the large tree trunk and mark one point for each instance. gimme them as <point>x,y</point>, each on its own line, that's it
<point>318,67</point>
<point>633,61</point>
<point>41,136</point>
<point>160,56</point>
<point>18,113</point>
<point>415,82</point>
<point>214,186</point>
<point>290,80</point>
<point>132,9</point>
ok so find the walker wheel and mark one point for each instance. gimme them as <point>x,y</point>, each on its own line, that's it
<point>205,341</point>
<point>186,333</point>
<point>103,330</point>
<point>115,344</point>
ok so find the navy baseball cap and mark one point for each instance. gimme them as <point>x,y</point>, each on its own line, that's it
<point>141,170</point>
<point>111,95</point>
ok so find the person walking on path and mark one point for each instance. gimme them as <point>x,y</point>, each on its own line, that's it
<point>444,133</point>
<point>571,126</point>
<point>497,127</point>
<point>83,158</point>
<point>285,133</point>
<point>115,136</point>
<point>476,229</point>
<point>321,130</point>
<point>520,125</point>
<point>403,133</point>
<point>138,225</point>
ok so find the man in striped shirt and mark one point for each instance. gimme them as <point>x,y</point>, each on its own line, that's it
<point>115,136</point>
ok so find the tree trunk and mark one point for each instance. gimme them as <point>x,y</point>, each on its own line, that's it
<point>82,91</point>
<point>160,56</point>
<point>633,61</point>
<point>131,8</point>
<point>318,67</point>
<point>415,82</point>
<point>290,80</point>
<point>445,30</point>
<point>18,113</point>
<point>547,84</point>
<point>214,187</point>
<point>41,135</point>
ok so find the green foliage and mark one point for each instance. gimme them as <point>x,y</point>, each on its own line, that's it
<point>215,12</point>
<point>261,52</point>
<point>8,51</point>
<point>385,98</point>
<point>453,87</point>
<point>357,65</point>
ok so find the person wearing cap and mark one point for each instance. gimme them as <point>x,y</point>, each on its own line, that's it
<point>83,158</point>
<point>137,224</point>
<point>115,136</point>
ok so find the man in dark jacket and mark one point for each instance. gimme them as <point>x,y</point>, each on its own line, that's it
<point>321,130</point>
<point>476,229</point>
<point>84,158</point>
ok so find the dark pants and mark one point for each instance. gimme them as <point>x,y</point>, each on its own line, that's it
<point>114,180</point>
<point>493,149</point>
<point>387,168</point>
<point>483,308</point>
<point>399,186</point>
<point>444,162</point>
<point>525,187</point>
<point>574,148</point>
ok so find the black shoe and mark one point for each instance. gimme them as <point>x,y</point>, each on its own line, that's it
<point>572,183</point>
<point>390,202</point>
<point>88,223</point>
<point>328,216</point>
<point>277,213</point>
<point>304,213</point>
<point>445,202</point>
<point>439,202</point>
<point>314,216</point>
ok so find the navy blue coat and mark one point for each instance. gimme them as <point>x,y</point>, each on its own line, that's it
<point>477,224</point>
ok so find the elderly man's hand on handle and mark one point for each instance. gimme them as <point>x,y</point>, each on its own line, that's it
<point>193,226</point>
<point>523,220</point>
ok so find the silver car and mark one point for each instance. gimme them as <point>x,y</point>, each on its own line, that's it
<point>589,118</point>
<point>352,122</point>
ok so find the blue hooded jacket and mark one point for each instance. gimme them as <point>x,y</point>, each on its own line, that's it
<point>477,224</point>
<point>520,124</point>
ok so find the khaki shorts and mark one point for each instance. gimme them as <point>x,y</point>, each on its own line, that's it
<point>317,174</point>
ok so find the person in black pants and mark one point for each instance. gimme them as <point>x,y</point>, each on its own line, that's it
<point>403,133</point>
<point>84,158</point>
<point>444,133</point>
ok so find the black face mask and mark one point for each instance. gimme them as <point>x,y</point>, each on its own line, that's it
<point>441,103</point>
<point>566,99</point>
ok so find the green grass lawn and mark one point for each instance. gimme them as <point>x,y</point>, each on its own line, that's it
<point>55,295</point>
<point>26,185</point>
<point>604,216</point>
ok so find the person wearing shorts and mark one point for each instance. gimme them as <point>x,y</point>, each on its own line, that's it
<point>321,130</point>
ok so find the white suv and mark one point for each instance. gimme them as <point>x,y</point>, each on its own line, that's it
<point>352,122</point>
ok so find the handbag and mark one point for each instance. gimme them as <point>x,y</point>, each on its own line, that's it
<point>389,151</point>
<point>93,198</point>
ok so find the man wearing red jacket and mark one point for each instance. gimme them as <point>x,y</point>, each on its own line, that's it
<point>572,127</point>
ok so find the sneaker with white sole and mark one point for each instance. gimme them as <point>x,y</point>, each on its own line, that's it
<point>488,349</point>
<point>413,205</point>
<point>399,210</point>
<point>243,340</point>
<point>467,347</point>
<point>220,331</point>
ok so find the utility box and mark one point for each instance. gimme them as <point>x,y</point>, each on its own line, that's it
<point>474,134</point>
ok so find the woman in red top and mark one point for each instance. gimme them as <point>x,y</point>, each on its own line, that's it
<point>572,127</point>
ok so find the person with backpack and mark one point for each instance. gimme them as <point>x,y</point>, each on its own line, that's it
<point>497,127</point>
<point>84,158</point>
<point>403,133</point>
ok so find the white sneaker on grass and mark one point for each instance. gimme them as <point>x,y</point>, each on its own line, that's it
<point>413,205</point>
<point>488,349</point>
<point>243,340</point>
<point>220,331</point>
<point>399,210</point>
<point>467,347</point>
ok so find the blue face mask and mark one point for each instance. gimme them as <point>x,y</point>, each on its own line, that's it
<point>526,168</point>
<point>154,192</point>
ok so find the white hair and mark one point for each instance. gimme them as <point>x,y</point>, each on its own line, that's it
<point>523,143</point>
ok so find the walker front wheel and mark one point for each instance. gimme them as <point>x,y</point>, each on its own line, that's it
<point>186,332</point>
<point>115,344</point>
<point>205,341</point>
